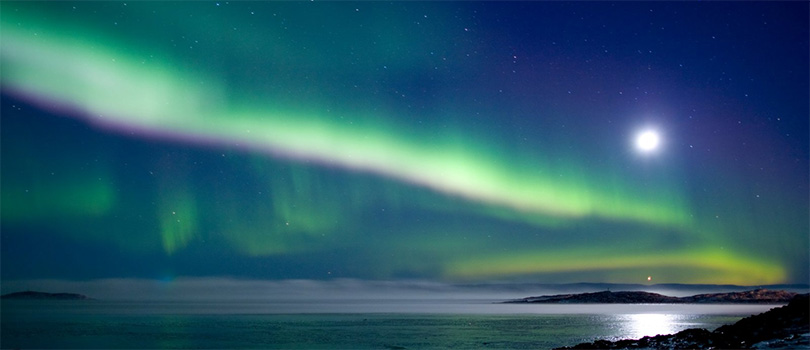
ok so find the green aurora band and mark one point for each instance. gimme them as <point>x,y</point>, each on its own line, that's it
<point>117,86</point>
<point>93,79</point>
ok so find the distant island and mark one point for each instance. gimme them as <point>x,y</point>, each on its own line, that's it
<point>31,295</point>
<point>784,327</point>
<point>757,296</point>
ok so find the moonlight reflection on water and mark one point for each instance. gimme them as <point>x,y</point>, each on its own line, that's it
<point>643,325</point>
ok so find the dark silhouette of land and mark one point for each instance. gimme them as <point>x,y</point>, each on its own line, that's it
<point>31,295</point>
<point>786,327</point>
<point>757,296</point>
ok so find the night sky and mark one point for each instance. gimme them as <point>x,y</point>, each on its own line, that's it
<point>446,141</point>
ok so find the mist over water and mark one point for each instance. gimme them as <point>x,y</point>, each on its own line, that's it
<point>223,289</point>
<point>343,324</point>
<point>357,314</point>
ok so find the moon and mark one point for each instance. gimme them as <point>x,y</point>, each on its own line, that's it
<point>648,141</point>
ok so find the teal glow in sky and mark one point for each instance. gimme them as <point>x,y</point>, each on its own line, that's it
<point>279,140</point>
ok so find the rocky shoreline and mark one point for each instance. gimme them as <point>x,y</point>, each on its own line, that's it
<point>786,327</point>
<point>757,296</point>
<point>31,295</point>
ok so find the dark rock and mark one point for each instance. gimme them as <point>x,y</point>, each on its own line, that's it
<point>796,341</point>
<point>777,323</point>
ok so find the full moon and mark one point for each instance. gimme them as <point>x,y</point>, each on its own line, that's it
<point>648,141</point>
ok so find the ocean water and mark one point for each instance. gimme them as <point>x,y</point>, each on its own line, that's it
<point>343,324</point>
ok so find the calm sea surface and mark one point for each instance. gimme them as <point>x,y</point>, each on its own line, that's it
<point>344,324</point>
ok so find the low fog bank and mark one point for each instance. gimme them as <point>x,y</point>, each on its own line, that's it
<point>227,289</point>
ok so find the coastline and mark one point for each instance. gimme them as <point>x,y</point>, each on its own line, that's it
<point>755,296</point>
<point>785,327</point>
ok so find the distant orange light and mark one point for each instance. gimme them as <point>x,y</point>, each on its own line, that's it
<point>649,278</point>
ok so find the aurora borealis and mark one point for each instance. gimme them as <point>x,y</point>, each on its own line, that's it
<point>439,141</point>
